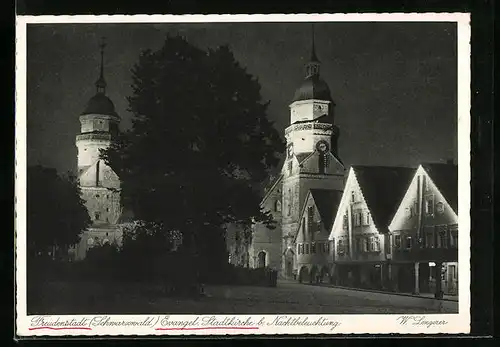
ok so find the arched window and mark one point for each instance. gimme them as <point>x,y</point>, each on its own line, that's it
<point>277,206</point>
<point>261,259</point>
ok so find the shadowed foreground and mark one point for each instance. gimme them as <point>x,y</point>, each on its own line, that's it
<point>95,298</point>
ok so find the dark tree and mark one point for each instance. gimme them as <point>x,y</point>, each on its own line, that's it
<point>56,212</point>
<point>200,144</point>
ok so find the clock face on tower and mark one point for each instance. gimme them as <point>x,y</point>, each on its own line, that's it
<point>322,146</point>
<point>289,150</point>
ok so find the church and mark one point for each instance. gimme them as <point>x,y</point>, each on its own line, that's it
<point>99,184</point>
<point>312,171</point>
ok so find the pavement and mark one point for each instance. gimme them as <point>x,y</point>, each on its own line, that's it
<point>286,298</point>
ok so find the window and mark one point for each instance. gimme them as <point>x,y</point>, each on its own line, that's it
<point>345,222</point>
<point>408,242</point>
<point>325,247</point>
<point>442,240</point>
<point>340,247</point>
<point>310,219</point>
<point>374,244</point>
<point>358,244</point>
<point>440,207</point>
<point>304,226</point>
<point>397,241</point>
<point>357,218</point>
<point>453,236</point>
<point>107,209</point>
<point>289,167</point>
<point>353,196</point>
<point>367,218</point>
<point>429,207</point>
<point>307,248</point>
<point>97,216</point>
<point>289,203</point>
<point>365,244</point>
<point>97,195</point>
<point>429,238</point>
<point>313,247</point>
<point>277,206</point>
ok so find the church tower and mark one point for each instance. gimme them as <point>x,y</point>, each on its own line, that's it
<point>312,158</point>
<point>99,184</point>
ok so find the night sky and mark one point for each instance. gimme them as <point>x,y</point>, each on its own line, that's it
<point>395,84</point>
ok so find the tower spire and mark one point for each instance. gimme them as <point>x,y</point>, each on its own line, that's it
<point>314,58</point>
<point>312,67</point>
<point>101,82</point>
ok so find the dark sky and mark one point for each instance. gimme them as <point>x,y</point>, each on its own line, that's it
<point>395,84</point>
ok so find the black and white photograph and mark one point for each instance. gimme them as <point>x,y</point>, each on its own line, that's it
<point>242,176</point>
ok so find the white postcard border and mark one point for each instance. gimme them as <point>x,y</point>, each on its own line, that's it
<point>92,325</point>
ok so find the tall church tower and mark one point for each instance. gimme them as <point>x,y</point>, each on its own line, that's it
<point>312,159</point>
<point>99,184</point>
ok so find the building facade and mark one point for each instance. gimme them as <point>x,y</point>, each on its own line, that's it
<point>424,233</point>
<point>359,234</point>
<point>313,259</point>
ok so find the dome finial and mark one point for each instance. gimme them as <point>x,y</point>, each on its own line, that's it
<point>101,82</point>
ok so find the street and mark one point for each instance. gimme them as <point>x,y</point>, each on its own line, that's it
<point>287,297</point>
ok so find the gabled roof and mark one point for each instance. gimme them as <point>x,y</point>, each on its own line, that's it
<point>301,157</point>
<point>445,177</point>
<point>327,202</point>
<point>383,188</point>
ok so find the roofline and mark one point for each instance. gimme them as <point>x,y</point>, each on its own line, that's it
<point>302,213</point>
<point>280,177</point>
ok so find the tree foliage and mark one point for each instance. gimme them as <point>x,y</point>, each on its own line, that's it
<point>56,213</point>
<point>200,142</point>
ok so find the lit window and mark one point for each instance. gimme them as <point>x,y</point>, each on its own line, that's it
<point>367,218</point>
<point>365,244</point>
<point>397,241</point>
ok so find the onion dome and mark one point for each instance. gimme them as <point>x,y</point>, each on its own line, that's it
<point>100,104</point>
<point>313,86</point>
